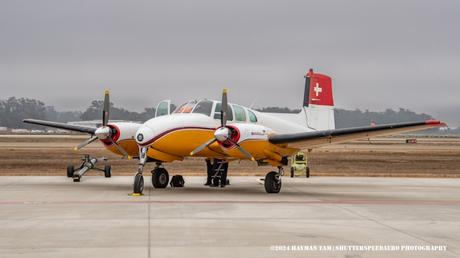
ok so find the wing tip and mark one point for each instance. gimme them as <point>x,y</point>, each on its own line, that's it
<point>435,123</point>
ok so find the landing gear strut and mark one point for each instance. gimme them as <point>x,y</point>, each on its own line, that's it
<point>272,181</point>
<point>138,185</point>
<point>87,164</point>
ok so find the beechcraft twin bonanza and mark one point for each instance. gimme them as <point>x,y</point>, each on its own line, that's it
<point>218,130</point>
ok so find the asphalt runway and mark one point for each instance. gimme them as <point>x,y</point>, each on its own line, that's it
<point>54,217</point>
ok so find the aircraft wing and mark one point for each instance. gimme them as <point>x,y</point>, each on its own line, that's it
<point>316,139</point>
<point>76,128</point>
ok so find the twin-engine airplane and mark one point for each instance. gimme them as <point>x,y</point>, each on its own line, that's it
<point>222,131</point>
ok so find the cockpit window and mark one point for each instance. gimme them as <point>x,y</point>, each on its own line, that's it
<point>187,107</point>
<point>240,114</point>
<point>218,109</point>
<point>203,107</point>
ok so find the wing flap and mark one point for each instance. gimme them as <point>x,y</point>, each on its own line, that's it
<point>75,128</point>
<point>316,139</point>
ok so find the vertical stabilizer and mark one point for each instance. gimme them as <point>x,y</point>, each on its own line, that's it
<point>318,101</point>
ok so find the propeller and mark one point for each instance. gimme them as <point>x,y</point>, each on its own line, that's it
<point>223,134</point>
<point>104,132</point>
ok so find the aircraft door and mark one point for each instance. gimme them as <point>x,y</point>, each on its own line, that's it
<point>163,108</point>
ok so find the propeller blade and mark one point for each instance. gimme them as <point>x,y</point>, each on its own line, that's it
<point>224,109</point>
<point>83,144</point>
<point>242,150</point>
<point>202,146</point>
<point>120,149</point>
<point>106,109</point>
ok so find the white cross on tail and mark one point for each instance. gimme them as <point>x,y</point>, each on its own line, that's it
<point>317,89</point>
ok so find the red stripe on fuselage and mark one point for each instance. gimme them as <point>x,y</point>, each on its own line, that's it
<point>173,130</point>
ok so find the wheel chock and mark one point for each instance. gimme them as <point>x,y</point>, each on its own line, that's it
<point>136,194</point>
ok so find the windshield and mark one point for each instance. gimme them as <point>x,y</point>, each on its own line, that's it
<point>299,157</point>
<point>187,107</point>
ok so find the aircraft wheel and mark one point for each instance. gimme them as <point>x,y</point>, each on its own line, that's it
<point>138,183</point>
<point>70,170</point>
<point>160,178</point>
<point>272,182</point>
<point>107,171</point>
<point>307,172</point>
<point>292,172</point>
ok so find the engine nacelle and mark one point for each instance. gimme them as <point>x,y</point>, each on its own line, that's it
<point>123,133</point>
<point>245,132</point>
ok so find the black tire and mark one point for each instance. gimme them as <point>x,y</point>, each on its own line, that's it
<point>138,186</point>
<point>107,171</point>
<point>292,172</point>
<point>177,181</point>
<point>272,182</point>
<point>307,172</point>
<point>160,178</point>
<point>70,170</point>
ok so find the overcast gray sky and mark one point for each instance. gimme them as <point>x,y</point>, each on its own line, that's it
<point>381,54</point>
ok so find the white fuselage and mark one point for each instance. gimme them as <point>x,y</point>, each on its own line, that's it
<point>158,126</point>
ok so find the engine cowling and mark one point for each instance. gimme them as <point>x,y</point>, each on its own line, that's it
<point>238,133</point>
<point>121,132</point>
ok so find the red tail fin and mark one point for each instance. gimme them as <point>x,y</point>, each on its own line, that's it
<point>318,89</point>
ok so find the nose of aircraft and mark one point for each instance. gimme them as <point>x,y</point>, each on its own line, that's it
<point>144,135</point>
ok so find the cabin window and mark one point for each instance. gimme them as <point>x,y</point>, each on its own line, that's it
<point>240,114</point>
<point>203,107</point>
<point>252,116</point>
<point>218,109</point>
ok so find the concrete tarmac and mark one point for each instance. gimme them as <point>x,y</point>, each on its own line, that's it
<point>317,217</point>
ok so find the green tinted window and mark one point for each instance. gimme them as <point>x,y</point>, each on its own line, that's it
<point>240,113</point>
<point>217,112</point>
<point>252,116</point>
<point>163,109</point>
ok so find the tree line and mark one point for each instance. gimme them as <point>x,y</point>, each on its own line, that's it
<point>13,110</point>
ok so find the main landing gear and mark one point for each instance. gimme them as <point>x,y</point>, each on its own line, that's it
<point>160,177</point>
<point>87,164</point>
<point>272,181</point>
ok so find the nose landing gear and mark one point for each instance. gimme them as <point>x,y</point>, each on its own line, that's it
<point>138,185</point>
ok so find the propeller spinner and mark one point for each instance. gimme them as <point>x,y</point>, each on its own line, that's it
<point>223,134</point>
<point>104,132</point>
